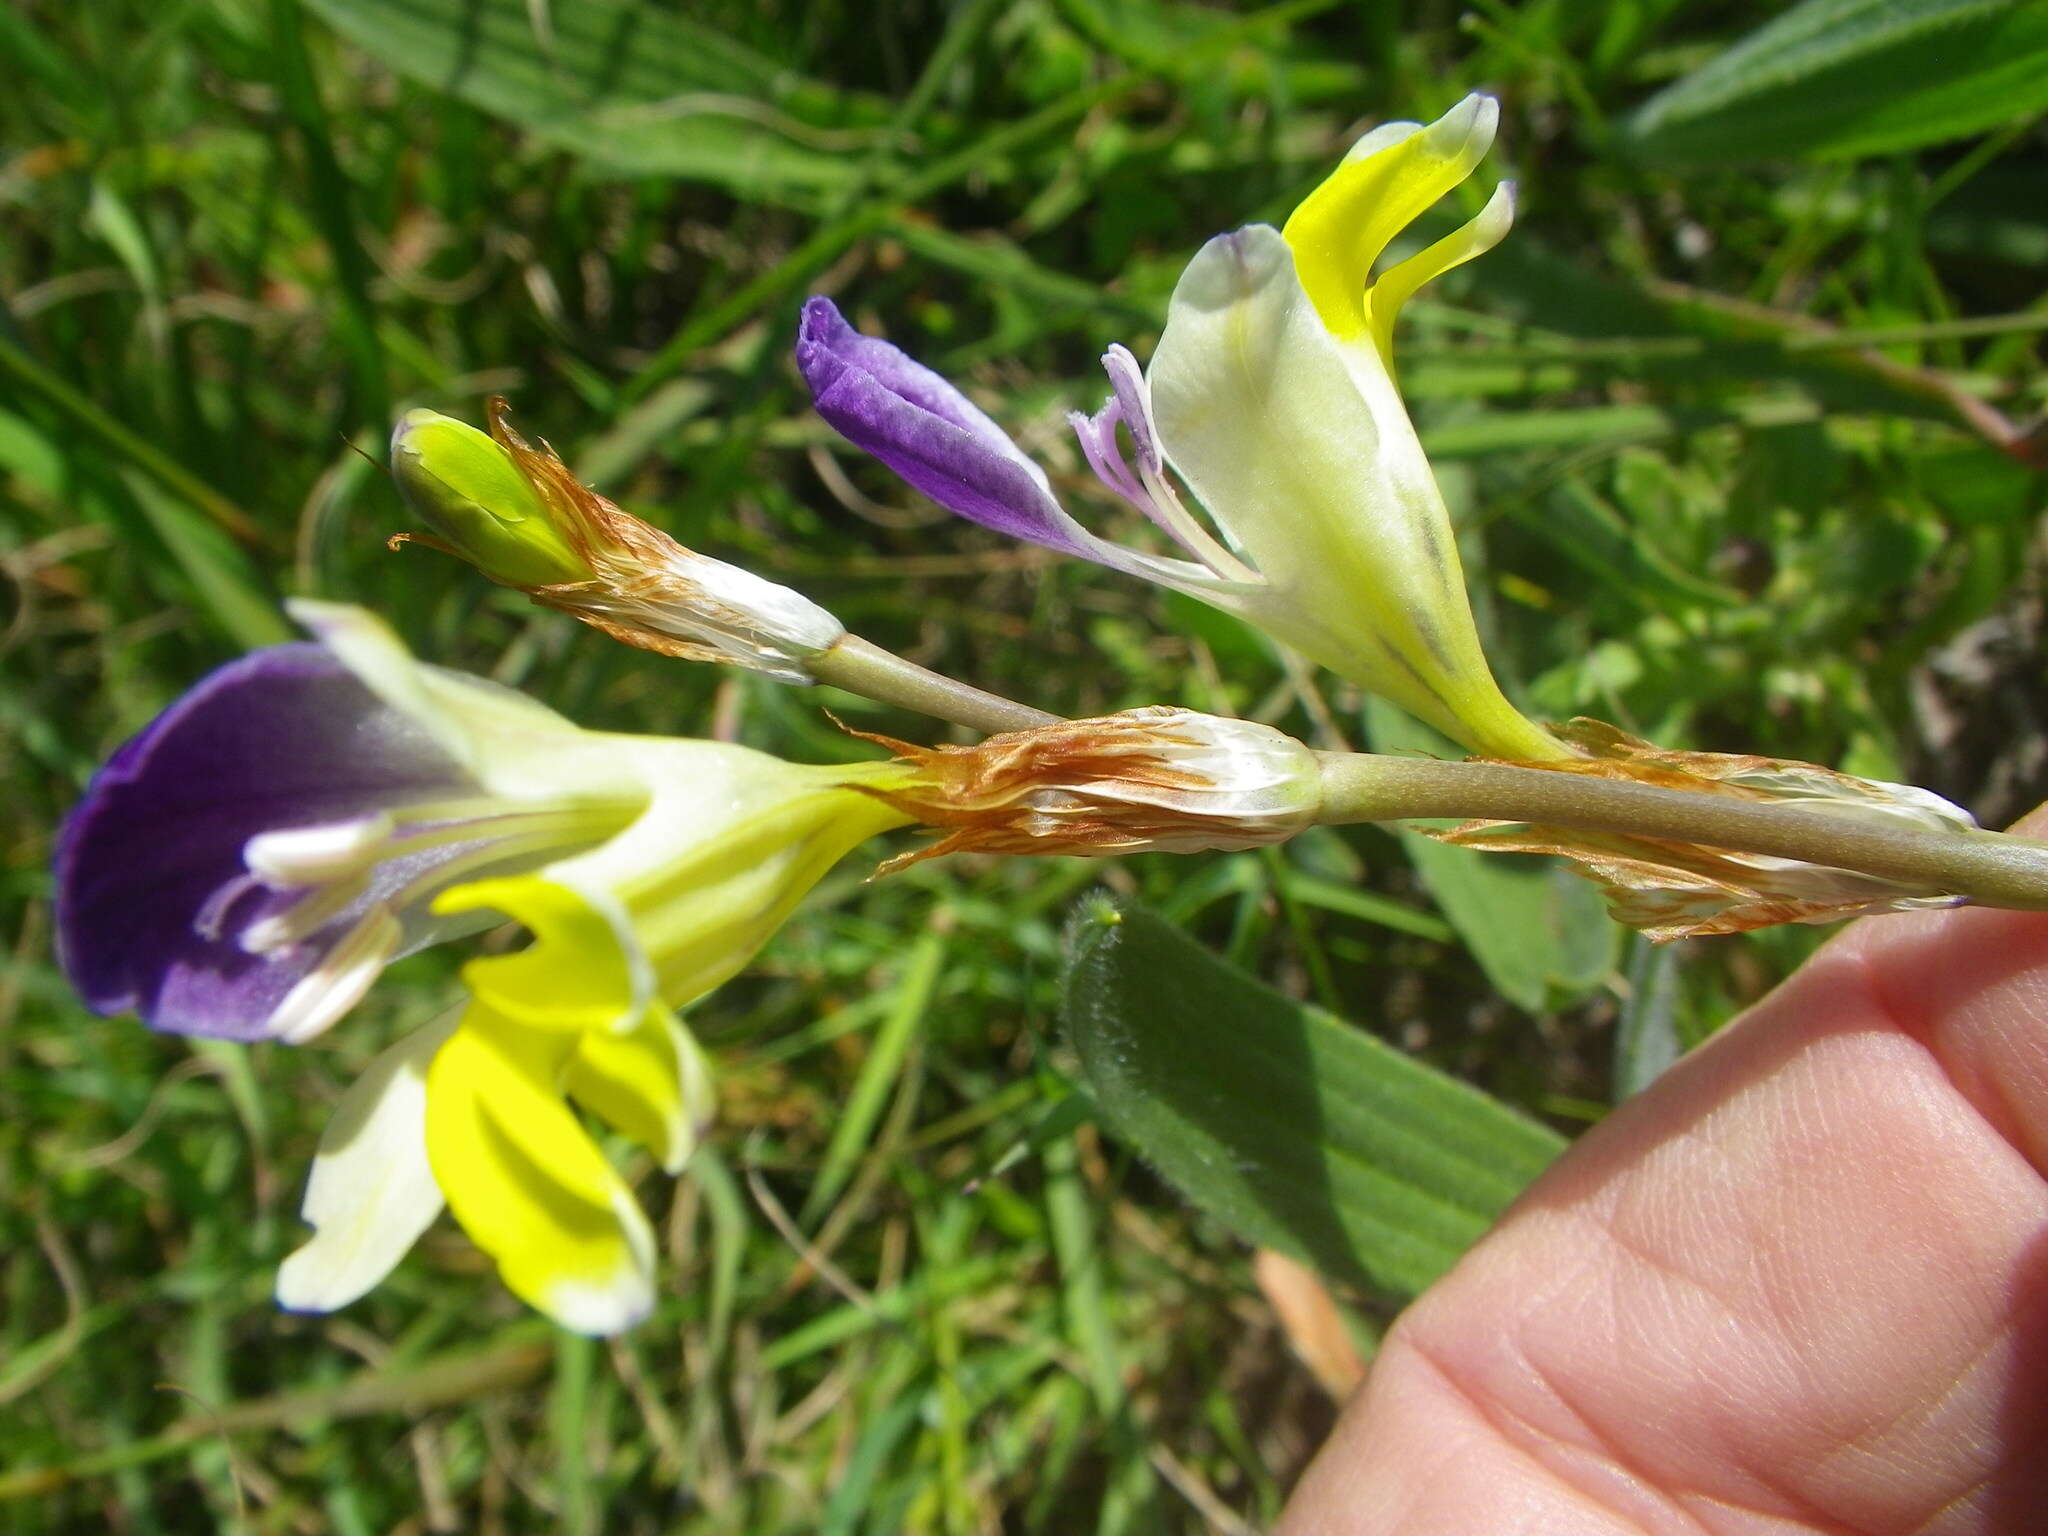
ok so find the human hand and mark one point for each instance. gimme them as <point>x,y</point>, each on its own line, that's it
<point>1800,1285</point>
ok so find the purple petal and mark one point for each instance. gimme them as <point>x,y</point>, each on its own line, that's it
<point>1135,402</point>
<point>148,904</point>
<point>924,429</point>
<point>1130,406</point>
<point>1097,437</point>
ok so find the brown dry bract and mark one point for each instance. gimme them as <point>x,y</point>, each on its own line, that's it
<point>636,564</point>
<point>1048,790</point>
<point>1669,889</point>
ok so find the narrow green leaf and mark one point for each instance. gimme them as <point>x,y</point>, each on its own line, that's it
<point>1072,1219</point>
<point>1835,78</point>
<point>1366,906</point>
<point>854,1487</point>
<point>1620,556</point>
<point>108,215</point>
<point>729,1223</point>
<point>1647,1040</point>
<point>1297,1131</point>
<point>333,209</point>
<point>641,90</point>
<point>879,1073</point>
<point>1539,932</point>
<point>606,460</point>
<point>228,589</point>
<point>569,1428</point>
<point>30,379</point>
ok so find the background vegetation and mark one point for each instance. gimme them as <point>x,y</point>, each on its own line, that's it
<point>1730,423</point>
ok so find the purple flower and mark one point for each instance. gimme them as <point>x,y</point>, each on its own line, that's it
<point>249,863</point>
<point>153,898</point>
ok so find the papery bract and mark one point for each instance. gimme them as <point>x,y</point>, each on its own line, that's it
<point>1157,779</point>
<point>1671,889</point>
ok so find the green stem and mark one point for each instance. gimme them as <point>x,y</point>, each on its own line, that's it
<point>1988,867</point>
<point>864,668</point>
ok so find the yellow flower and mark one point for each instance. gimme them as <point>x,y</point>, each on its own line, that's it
<point>720,844</point>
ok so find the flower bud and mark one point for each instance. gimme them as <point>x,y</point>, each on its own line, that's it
<point>469,491</point>
<point>1147,780</point>
<point>517,513</point>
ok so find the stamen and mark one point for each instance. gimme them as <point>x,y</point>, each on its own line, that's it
<point>213,915</point>
<point>338,983</point>
<point>1134,400</point>
<point>308,915</point>
<point>1145,488</point>
<point>506,835</point>
<point>556,834</point>
<point>316,855</point>
<point>1097,436</point>
<point>547,840</point>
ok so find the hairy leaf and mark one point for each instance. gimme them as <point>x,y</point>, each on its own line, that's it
<point>1294,1129</point>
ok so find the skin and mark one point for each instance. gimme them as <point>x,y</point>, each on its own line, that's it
<point>1800,1285</point>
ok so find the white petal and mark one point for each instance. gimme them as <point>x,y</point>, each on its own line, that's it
<point>372,1192</point>
<point>1303,453</point>
<point>1301,450</point>
<point>514,745</point>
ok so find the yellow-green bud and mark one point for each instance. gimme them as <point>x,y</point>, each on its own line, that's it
<point>471,493</point>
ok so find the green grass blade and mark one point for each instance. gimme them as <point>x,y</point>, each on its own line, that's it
<point>637,90</point>
<point>878,1074</point>
<point>1835,78</point>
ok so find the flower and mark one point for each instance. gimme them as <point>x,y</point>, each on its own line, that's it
<point>1670,889</point>
<point>248,865</point>
<point>1271,395</point>
<point>1157,779</point>
<point>519,515</point>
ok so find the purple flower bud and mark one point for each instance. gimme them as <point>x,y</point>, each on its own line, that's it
<point>881,400</point>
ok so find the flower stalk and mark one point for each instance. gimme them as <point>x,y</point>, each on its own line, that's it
<point>860,666</point>
<point>1991,868</point>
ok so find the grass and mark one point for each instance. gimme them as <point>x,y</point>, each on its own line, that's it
<point>911,1287</point>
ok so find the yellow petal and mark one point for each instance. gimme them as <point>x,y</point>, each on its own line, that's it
<point>1400,282</point>
<point>527,1182</point>
<point>652,1083</point>
<point>583,970</point>
<point>1392,175</point>
<point>730,844</point>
